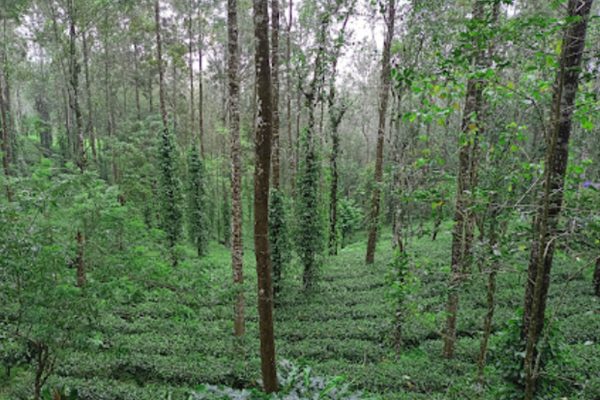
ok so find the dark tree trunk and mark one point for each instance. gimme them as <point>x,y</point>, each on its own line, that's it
<point>385,80</point>
<point>597,277</point>
<point>237,250</point>
<point>550,202</point>
<point>261,195</point>
<point>136,80</point>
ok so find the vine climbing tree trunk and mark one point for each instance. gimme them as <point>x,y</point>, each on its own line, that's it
<point>384,90</point>
<point>236,167</point>
<point>261,195</point>
<point>548,212</point>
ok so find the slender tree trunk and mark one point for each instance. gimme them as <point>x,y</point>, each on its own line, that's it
<point>550,204</point>
<point>261,195</point>
<point>491,287</point>
<point>275,83</point>
<point>200,92</point>
<point>191,72</point>
<point>236,167</point>
<point>292,161</point>
<point>336,113</point>
<point>88,94</point>
<point>6,149</point>
<point>462,234</point>
<point>136,80</point>
<point>386,72</point>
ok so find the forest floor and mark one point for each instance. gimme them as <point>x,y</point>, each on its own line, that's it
<point>176,333</point>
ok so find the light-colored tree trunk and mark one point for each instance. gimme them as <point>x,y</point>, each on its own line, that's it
<point>384,90</point>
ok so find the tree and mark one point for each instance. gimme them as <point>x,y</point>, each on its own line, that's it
<point>237,250</point>
<point>262,169</point>
<point>170,190</point>
<point>277,223</point>
<point>384,90</point>
<point>545,225</point>
<point>197,218</point>
<point>464,220</point>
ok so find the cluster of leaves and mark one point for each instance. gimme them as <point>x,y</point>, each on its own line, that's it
<point>296,383</point>
<point>509,356</point>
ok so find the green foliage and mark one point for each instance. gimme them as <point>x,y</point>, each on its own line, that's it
<point>509,356</point>
<point>278,237</point>
<point>197,202</point>
<point>295,383</point>
<point>350,217</point>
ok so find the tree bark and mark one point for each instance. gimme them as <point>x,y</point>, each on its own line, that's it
<point>336,113</point>
<point>6,148</point>
<point>237,250</point>
<point>191,71</point>
<point>462,234</point>
<point>88,94</point>
<point>200,91</point>
<point>261,195</point>
<point>385,80</point>
<point>275,83</point>
<point>292,161</point>
<point>550,203</point>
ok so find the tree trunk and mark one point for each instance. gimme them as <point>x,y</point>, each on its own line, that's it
<point>275,83</point>
<point>88,94</point>
<point>200,93</point>
<point>261,195</point>
<point>462,234</point>
<point>6,148</point>
<point>237,250</point>
<point>292,165</point>
<point>136,80</point>
<point>191,72</point>
<point>336,113</point>
<point>597,277</point>
<point>386,71</point>
<point>491,286</point>
<point>550,203</point>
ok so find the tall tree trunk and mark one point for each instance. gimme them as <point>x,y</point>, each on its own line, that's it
<point>191,72</point>
<point>261,195</point>
<point>200,92</point>
<point>288,73</point>
<point>237,250</point>
<point>88,94</point>
<point>136,80</point>
<point>491,285</point>
<point>550,203</point>
<point>336,113</point>
<point>464,221</point>
<point>6,149</point>
<point>386,72</point>
<point>275,83</point>
<point>81,156</point>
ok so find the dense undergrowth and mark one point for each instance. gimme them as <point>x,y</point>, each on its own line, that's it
<point>174,335</point>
